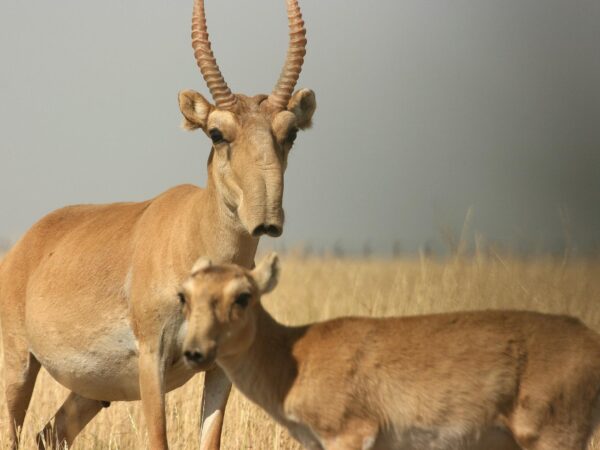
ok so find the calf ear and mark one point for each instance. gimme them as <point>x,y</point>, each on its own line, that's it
<point>303,104</point>
<point>195,109</point>
<point>266,274</point>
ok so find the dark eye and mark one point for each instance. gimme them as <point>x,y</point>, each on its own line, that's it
<point>243,300</point>
<point>181,298</point>
<point>291,137</point>
<point>216,135</point>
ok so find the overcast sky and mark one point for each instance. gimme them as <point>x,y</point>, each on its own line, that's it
<point>425,109</point>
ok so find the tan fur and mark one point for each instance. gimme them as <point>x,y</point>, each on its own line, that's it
<point>484,379</point>
<point>90,291</point>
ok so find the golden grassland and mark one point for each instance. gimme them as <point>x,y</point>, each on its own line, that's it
<point>317,289</point>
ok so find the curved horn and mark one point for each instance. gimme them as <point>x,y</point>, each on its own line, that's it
<point>295,57</point>
<point>206,60</point>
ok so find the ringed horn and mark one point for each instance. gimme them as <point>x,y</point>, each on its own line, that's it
<point>207,62</point>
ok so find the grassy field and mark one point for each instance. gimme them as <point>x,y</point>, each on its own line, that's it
<point>317,289</point>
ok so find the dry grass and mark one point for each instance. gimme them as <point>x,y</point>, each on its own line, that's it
<point>323,288</point>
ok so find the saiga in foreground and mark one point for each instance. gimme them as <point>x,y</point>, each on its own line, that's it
<point>482,379</point>
<point>90,291</point>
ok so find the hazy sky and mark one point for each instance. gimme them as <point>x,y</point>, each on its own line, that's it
<point>425,109</point>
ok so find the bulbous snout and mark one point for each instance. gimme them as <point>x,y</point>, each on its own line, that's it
<point>273,230</point>
<point>200,357</point>
<point>260,220</point>
<point>261,209</point>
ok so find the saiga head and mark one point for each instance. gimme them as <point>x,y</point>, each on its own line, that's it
<point>251,136</point>
<point>220,305</point>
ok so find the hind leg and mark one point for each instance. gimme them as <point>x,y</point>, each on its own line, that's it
<point>20,372</point>
<point>549,430</point>
<point>554,438</point>
<point>20,366</point>
<point>559,439</point>
<point>74,414</point>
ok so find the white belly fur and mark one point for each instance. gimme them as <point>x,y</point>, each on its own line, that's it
<point>104,368</point>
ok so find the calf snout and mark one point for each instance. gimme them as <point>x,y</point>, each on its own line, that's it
<point>194,356</point>
<point>200,357</point>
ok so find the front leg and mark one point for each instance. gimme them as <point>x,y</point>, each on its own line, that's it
<point>152,392</point>
<point>216,392</point>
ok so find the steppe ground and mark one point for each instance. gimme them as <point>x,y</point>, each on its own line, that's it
<point>319,288</point>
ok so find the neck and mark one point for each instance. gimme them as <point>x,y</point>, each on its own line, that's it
<point>232,242</point>
<point>214,230</point>
<point>266,371</point>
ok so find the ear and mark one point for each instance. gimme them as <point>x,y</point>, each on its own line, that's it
<point>303,104</point>
<point>266,274</point>
<point>201,264</point>
<point>195,109</point>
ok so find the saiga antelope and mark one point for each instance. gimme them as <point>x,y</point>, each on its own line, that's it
<point>90,291</point>
<point>480,379</point>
